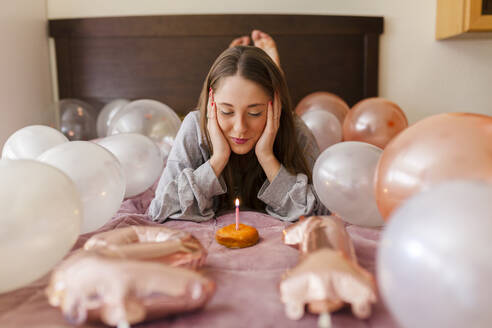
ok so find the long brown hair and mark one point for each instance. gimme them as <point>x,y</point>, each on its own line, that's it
<point>244,171</point>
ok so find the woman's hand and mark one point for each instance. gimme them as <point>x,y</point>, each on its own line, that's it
<point>220,147</point>
<point>264,146</point>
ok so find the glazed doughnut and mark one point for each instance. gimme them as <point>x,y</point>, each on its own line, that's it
<point>230,237</point>
<point>145,243</point>
<point>89,286</point>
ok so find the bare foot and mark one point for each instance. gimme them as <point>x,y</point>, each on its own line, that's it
<point>241,41</point>
<point>265,42</point>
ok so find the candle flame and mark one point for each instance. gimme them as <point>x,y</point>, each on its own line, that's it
<point>237,201</point>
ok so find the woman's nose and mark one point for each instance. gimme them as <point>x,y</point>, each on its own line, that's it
<point>240,125</point>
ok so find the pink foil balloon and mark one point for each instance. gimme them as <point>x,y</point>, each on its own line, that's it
<point>324,280</point>
<point>143,243</point>
<point>92,287</point>
<point>375,121</point>
<point>439,148</point>
<point>326,101</point>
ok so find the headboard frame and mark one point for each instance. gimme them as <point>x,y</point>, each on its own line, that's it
<point>167,57</point>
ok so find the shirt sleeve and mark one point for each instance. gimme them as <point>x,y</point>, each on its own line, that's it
<point>188,185</point>
<point>289,195</point>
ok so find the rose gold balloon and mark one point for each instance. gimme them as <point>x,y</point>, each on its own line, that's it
<point>438,148</point>
<point>328,275</point>
<point>324,100</point>
<point>375,121</point>
<point>325,280</point>
<point>144,243</point>
<point>317,232</point>
<point>89,286</point>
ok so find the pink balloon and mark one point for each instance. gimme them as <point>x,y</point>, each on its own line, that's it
<point>326,101</point>
<point>438,148</point>
<point>325,127</point>
<point>375,121</point>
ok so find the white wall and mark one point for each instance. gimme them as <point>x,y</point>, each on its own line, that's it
<point>422,75</point>
<point>25,82</point>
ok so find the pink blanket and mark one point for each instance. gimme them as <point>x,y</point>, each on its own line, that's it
<point>247,279</point>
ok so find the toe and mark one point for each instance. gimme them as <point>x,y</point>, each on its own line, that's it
<point>239,41</point>
<point>245,40</point>
<point>255,35</point>
<point>258,35</point>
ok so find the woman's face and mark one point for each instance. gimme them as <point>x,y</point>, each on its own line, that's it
<point>241,112</point>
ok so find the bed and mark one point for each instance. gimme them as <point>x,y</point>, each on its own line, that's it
<point>166,58</point>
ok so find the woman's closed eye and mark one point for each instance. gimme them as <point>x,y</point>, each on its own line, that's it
<point>255,114</point>
<point>229,113</point>
<point>226,112</point>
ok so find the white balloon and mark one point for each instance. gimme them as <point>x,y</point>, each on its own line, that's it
<point>77,119</point>
<point>325,127</point>
<point>343,177</point>
<point>98,176</point>
<point>150,118</point>
<point>434,261</point>
<point>106,115</point>
<point>165,147</point>
<point>31,141</point>
<point>140,158</point>
<point>40,220</point>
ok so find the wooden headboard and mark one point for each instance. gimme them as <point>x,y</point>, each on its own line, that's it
<point>167,57</point>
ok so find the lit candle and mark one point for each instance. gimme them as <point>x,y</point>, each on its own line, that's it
<point>237,214</point>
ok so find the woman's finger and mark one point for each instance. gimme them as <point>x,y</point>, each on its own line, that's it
<point>270,122</point>
<point>210,104</point>
<point>210,112</point>
<point>212,120</point>
<point>272,108</point>
<point>278,109</point>
<point>214,111</point>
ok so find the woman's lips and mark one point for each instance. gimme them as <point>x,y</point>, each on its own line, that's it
<point>239,141</point>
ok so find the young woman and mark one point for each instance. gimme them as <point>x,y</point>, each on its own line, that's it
<point>243,142</point>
